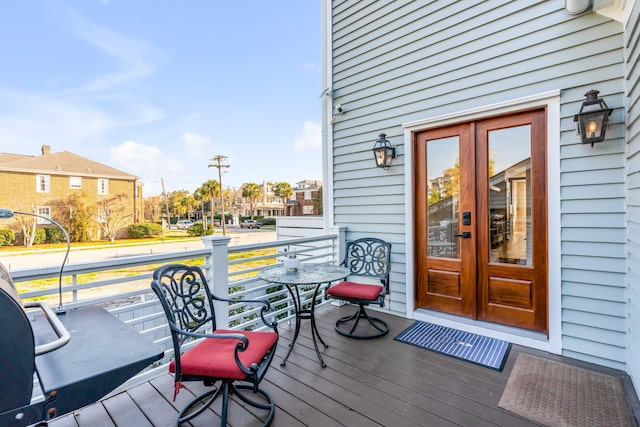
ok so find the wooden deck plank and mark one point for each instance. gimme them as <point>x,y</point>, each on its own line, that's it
<point>366,382</point>
<point>380,407</point>
<point>158,410</point>
<point>379,382</point>
<point>93,415</point>
<point>123,409</point>
<point>434,386</point>
<point>68,420</point>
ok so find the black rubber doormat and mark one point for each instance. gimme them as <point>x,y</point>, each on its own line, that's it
<point>478,349</point>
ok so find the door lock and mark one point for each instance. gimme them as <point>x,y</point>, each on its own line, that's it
<point>464,235</point>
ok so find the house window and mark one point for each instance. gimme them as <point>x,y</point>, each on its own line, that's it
<point>307,210</point>
<point>307,195</point>
<point>43,183</point>
<point>75,182</point>
<point>44,211</point>
<point>103,186</point>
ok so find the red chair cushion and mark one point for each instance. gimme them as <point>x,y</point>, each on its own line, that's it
<point>356,291</point>
<point>214,357</point>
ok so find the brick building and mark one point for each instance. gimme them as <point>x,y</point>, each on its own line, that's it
<point>305,194</point>
<point>41,184</point>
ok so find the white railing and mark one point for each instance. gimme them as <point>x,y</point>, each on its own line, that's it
<point>122,285</point>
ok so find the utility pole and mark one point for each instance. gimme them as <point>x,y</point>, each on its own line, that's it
<point>218,164</point>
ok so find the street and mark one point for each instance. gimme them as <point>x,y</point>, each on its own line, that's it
<point>17,260</point>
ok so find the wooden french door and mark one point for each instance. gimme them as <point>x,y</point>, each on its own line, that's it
<point>481,220</point>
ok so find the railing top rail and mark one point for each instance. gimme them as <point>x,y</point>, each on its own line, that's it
<point>280,243</point>
<point>107,264</point>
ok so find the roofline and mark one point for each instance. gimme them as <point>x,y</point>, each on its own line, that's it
<point>64,173</point>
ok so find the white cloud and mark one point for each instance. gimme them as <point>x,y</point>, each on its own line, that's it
<point>196,145</point>
<point>131,56</point>
<point>144,160</point>
<point>309,138</point>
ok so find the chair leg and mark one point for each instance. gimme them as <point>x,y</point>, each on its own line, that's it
<point>379,324</point>
<point>227,387</point>
<point>205,400</point>
<point>268,405</point>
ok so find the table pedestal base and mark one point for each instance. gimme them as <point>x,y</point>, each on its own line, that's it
<point>305,314</point>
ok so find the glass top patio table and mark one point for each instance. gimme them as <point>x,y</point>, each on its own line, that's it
<point>305,275</point>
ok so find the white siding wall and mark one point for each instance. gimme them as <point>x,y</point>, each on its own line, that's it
<point>399,61</point>
<point>632,45</point>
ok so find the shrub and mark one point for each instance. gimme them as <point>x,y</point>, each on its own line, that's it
<point>139,231</point>
<point>54,235</point>
<point>41,236</point>
<point>268,221</point>
<point>7,237</point>
<point>197,230</point>
<point>154,229</point>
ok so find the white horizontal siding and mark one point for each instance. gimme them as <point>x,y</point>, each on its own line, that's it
<point>632,53</point>
<point>402,61</point>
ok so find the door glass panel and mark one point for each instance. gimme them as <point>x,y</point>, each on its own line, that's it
<point>510,195</point>
<point>443,198</point>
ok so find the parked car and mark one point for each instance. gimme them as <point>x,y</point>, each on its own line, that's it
<point>183,224</point>
<point>250,223</point>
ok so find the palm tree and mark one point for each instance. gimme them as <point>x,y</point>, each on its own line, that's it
<point>210,189</point>
<point>284,191</point>
<point>251,192</point>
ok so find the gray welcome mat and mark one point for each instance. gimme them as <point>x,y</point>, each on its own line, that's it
<point>556,394</point>
<point>485,351</point>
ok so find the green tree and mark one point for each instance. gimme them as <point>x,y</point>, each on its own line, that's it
<point>200,199</point>
<point>251,192</point>
<point>176,202</point>
<point>189,202</point>
<point>317,203</point>
<point>80,217</point>
<point>114,215</point>
<point>284,191</point>
<point>210,190</point>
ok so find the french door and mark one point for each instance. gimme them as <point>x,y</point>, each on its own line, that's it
<point>481,220</point>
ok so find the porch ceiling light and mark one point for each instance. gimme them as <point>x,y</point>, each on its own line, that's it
<point>593,118</point>
<point>384,152</point>
<point>8,213</point>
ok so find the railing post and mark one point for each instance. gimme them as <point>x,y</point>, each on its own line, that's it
<point>219,275</point>
<point>338,253</point>
<point>341,231</point>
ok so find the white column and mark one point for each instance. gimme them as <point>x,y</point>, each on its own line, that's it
<point>218,275</point>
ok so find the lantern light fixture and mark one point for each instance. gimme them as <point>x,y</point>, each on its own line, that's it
<point>383,152</point>
<point>592,118</point>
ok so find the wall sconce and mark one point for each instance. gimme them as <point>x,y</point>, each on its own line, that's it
<point>592,118</point>
<point>384,152</point>
<point>8,213</point>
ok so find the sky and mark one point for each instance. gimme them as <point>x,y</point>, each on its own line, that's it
<point>157,88</point>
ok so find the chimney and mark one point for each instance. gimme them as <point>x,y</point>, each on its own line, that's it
<point>46,149</point>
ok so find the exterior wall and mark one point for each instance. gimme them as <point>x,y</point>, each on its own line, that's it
<point>405,61</point>
<point>18,191</point>
<point>632,53</point>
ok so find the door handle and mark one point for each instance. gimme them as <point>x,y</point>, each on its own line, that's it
<point>464,235</point>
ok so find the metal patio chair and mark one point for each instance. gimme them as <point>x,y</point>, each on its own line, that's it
<point>220,358</point>
<point>367,257</point>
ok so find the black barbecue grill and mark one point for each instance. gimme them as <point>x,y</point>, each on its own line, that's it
<point>78,357</point>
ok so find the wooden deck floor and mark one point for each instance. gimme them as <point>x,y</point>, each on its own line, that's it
<point>365,383</point>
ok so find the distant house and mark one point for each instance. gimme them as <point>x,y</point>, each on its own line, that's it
<point>42,183</point>
<point>268,204</point>
<point>305,195</point>
<point>502,221</point>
